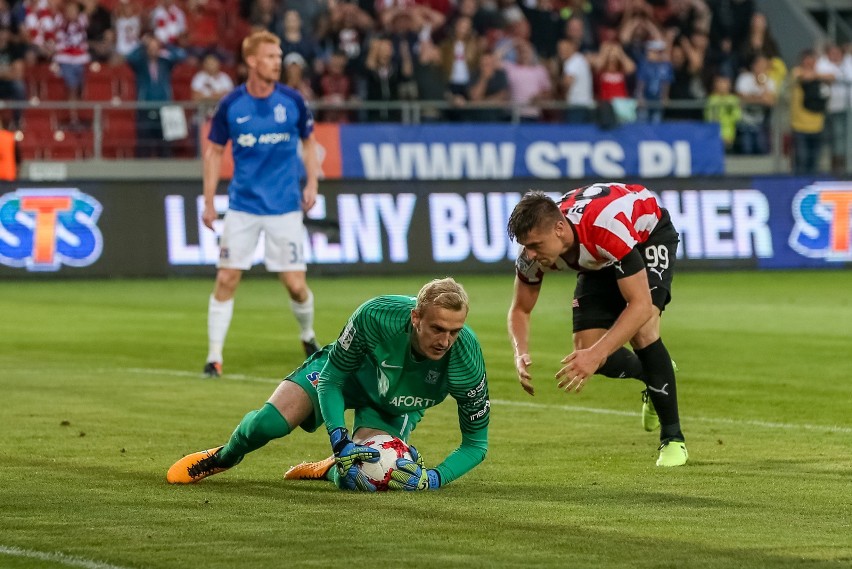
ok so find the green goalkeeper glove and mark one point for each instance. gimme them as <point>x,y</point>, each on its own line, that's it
<point>411,475</point>
<point>347,455</point>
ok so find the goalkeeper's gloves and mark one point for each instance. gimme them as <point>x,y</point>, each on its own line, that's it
<point>411,475</point>
<point>347,456</point>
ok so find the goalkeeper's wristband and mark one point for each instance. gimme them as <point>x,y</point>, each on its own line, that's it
<point>339,439</point>
<point>434,478</point>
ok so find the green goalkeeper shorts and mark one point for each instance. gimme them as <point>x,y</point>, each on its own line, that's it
<point>307,377</point>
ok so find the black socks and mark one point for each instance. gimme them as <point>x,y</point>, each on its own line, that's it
<point>659,377</point>
<point>621,364</point>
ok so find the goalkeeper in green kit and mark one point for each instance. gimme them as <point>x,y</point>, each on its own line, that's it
<point>396,357</point>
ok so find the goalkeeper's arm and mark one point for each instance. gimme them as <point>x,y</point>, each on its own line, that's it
<point>469,454</point>
<point>330,394</point>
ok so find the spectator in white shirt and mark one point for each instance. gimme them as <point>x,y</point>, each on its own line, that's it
<point>834,64</point>
<point>128,27</point>
<point>757,92</point>
<point>210,83</point>
<point>576,82</point>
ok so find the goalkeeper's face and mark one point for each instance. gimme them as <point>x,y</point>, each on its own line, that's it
<point>436,329</point>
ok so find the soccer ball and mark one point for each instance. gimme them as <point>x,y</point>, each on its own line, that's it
<point>390,449</point>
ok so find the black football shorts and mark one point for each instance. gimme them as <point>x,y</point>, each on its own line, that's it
<point>597,299</point>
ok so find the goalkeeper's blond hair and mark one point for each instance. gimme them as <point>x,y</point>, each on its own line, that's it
<point>443,293</point>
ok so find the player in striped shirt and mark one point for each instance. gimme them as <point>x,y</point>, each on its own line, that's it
<point>396,357</point>
<point>623,245</point>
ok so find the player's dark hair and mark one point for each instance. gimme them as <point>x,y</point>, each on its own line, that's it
<point>534,209</point>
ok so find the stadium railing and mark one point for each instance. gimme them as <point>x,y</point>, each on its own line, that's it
<point>79,131</point>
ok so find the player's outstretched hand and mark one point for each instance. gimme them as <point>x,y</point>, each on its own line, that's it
<point>347,454</point>
<point>522,364</point>
<point>411,475</point>
<point>580,365</point>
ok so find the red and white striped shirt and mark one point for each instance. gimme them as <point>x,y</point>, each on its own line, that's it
<point>41,20</point>
<point>72,44</point>
<point>169,23</point>
<point>609,220</point>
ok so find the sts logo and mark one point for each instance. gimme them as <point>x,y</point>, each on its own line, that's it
<point>43,229</point>
<point>823,212</point>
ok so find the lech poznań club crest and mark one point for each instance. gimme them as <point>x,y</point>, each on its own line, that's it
<point>280,113</point>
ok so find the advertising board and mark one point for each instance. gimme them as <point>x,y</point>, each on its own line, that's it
<point>104,229</point>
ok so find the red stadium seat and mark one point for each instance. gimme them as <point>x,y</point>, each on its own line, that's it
<point>85,141</point>
<point>7,116</point>
<point>36,77</point>
<point>32,146</point>
<point>119,139</point>
<point>182,75</point>
<point>98,84</point>
<point>61,146</point>
<point>54,89</point>
<point>38,121</point>
<point>231,36</point>
<point>231,70</point>
<point>125,81</point>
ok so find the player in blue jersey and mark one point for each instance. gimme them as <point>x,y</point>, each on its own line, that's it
<point>265,121</point>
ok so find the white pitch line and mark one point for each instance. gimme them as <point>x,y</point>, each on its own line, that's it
<point>530,404</point>
<point>56,557</point>
<point>738,422</point>
<point>179,373</point>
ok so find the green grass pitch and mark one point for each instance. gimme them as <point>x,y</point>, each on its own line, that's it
<point>100,391</point>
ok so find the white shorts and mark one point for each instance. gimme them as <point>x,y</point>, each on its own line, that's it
<point>283,243</point>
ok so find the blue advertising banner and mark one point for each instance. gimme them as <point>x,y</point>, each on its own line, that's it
<point>493,151</point>
<point>810,222</point>
<point>384,227</point>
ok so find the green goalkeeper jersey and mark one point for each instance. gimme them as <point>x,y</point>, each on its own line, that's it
<point>372,364</point>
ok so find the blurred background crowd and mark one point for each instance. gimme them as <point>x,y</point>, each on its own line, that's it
<point>604,61</point>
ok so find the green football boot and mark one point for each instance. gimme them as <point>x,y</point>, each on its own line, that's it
<point>650,420</point>
<point>672,453</point>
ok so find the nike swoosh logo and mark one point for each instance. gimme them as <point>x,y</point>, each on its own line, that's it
<point>386,365</point>
<point>241,120</point>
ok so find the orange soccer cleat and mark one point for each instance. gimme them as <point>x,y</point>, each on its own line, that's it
<point>310,470</point>
<point>194,467</point>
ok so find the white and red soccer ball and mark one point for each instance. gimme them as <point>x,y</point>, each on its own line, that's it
<point>390,449</point>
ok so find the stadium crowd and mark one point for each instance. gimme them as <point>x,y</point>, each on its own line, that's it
<point>608,61</point>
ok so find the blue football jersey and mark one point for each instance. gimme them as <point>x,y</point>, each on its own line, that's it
<point>265,134</point>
